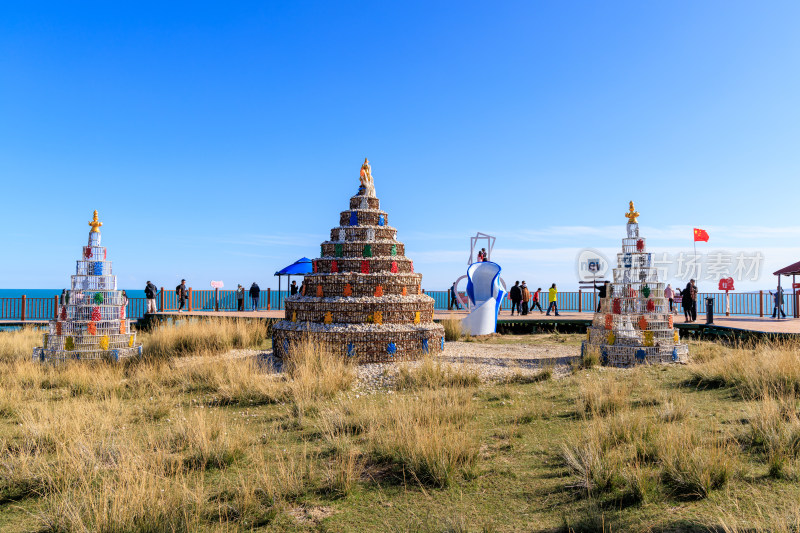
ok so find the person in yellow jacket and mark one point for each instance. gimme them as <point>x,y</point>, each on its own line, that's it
<point>553,300</point>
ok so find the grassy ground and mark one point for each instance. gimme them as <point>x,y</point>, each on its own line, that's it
<point>206,443</point>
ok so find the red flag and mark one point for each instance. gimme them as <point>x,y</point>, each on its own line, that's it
<point>700,235</point>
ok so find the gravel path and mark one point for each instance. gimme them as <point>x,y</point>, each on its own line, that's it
<point>492,362</point>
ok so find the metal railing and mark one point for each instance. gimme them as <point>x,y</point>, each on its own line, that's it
<point>37,309</point>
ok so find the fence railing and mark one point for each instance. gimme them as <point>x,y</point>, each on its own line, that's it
<point>36,309</point>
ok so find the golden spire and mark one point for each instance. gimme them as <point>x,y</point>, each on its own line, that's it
<point>632,214</point>
<point>95,224</point>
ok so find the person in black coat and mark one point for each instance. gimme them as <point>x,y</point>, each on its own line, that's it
<point>183,294</point>
<point>255,291</point>
<point>515,295</point>
<point>688,297</point>
<point>150,292</point>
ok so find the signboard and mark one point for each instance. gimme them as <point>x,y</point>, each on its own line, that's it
<point>796,285</point>
<point>726,284</point>
<point>217,284</point>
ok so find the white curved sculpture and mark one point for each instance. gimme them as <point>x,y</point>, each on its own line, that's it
<point>485,293</point>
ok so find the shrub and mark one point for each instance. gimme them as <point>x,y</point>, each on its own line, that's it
<point>452,329</point>
<point>202,337</point>
<point>433,375</point>
<point>691,468</point>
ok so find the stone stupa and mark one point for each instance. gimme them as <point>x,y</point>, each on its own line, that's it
<point>363,297</point>
<point>634,324</point>
<point>91,323</point>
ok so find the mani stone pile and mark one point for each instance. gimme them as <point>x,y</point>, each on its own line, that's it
<point>91,322</point>
<point>363,298</point>
<point>634,324</point>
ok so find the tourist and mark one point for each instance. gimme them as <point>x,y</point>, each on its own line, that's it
<point>602,292</point>
<point>239,298</point>
<point>689,305</point>
<point>485,255</point>
<point>553,306</point>
<point>526,297</point>
<point>125,302</point>
<point>293,288</point>
<point>183,294</point>
<point>694,299</point>
<point>480,255</point>
<point>535,300</point>
<point>778,298</point>
<point>453,298</point>
<point>670,295</point>
<point>255,290</point>
<point>150,292</point>
<point>515,295</point>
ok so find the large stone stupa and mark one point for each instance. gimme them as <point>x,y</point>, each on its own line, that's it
<point>634,324</point>
<point>363,298</point>
<point>91,321</point>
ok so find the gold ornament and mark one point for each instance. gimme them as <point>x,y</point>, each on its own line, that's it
<point>95,224</point>
<point>104,342</point>
<point>378,317</point>
<point>676,337</point>
<point>648,338</point>
<point>294,316</point>
<point>632,214</point>
<point>416,317</point>
<point>130,341</point>
<point>328,318</point>
<point>611,338</point>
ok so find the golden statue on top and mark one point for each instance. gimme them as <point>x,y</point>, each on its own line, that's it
<point>95,224</point>
<point>632,214</point>
<point>366,173</point>
<point>366,178</point>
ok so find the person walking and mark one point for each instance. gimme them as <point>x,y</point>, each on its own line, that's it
<point>515,295</point>
<point>553,306</point>
<point>255,291</point>
<point>150,292</point>
<point>535,300</point>
<point>602,292</point>
<point>670,295</point>
<point>453,298</point>
<point>526,297</point>
<point>183,293</point>
<point>293,288</point>
<point>239,298</point>
<point>778,298</point>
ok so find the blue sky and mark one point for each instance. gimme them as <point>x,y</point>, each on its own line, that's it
<point>221,141</point>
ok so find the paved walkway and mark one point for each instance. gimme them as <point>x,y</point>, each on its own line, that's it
<point>769,325</point>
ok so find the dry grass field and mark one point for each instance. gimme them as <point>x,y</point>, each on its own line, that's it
<point>190,440</point>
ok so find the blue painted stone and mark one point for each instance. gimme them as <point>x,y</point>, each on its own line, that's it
<point>391,349</point>
<point>442,343</point>
<point>353,218</point>
<point>381,220</point>
<point>351,349</point>
<point>115,355</point>
<point>627,260</point>
<point>640,355</point>
<point>97,268</point>
<point>674,354</point>
<point>139,351</point>
<point>604,357</point>
<point>424,345</point>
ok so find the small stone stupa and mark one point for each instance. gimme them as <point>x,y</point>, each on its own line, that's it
<point>91,323</point>
<point>634,324</point>
<point>363,298</point>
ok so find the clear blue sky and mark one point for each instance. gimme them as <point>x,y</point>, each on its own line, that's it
<point>221,141</point>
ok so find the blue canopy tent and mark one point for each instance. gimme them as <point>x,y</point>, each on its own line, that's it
<point>298,268</point>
